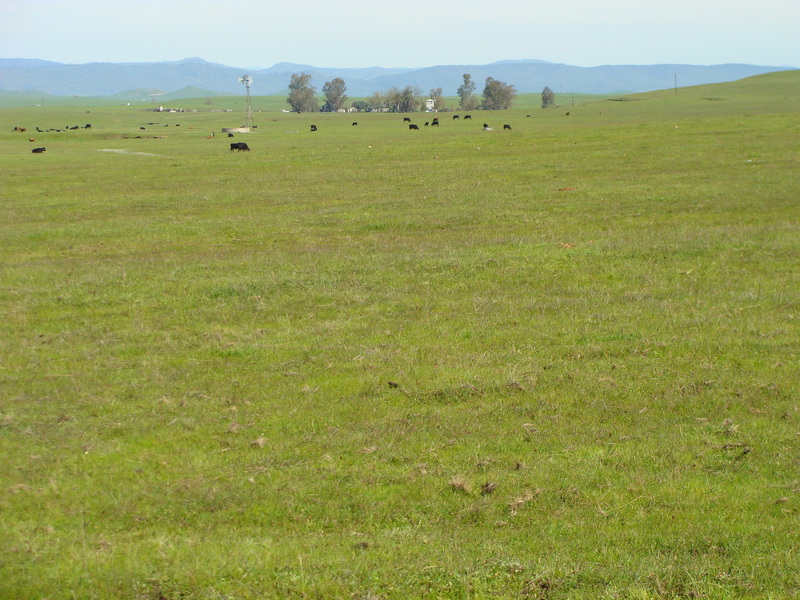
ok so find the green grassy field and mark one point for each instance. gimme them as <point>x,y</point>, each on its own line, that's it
<point>371,363</point>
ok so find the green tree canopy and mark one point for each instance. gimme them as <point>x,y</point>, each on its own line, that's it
<point>302,95</point>
<point>548,97</point>
<point>497,95</point>
<point>378,100</point>
<point>334,92</point>
<point>405,100</point>
<point>466,93</point>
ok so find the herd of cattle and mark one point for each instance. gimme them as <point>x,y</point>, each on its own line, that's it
<point>433,123</point>
<point>242,146</point>
<point>39,130</point>
<point>67,128</point>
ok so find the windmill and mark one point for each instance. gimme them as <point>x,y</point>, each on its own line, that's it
<point>247,80</point>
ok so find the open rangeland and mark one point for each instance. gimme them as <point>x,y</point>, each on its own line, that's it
<point>558,361</point>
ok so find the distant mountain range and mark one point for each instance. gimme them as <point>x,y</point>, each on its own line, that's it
<point>203,78</point>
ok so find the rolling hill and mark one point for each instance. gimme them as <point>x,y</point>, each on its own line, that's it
<point>108,79</point>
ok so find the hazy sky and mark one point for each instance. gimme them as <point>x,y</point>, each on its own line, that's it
<point>409,33</point>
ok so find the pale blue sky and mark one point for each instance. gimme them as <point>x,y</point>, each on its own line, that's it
<point>410,33</point>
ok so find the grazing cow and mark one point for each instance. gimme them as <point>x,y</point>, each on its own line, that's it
<point>507,126</point>
<point>426,123</point>
<point>455,117</point>
<point>467,117</point>
<point>87,126</point>
<point>435,123</point>
<point>230,134</point>
<point>39,130</point>
<point>240,147</point>
<point>313,128</point>
<point>413,126</point>
<point>141,128</point>
<point>31,139</point>
<point>354,123</point>
<point>406,119</point>
<point>566,115</point>
<point>74,127</point>
<point>38,150</point>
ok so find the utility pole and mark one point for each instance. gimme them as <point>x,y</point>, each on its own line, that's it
<point>676,85</point>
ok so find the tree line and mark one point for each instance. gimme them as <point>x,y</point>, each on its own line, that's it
<point>497,95</point>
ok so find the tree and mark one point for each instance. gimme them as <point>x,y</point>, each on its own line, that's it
<point>377,101</point>
<point>302,95</point>
<point>334,92</point>
<point>548,97</point>
<point>436,96</point>
<point>466,93</point>
<point>497,95</point>
<point>405,100</point>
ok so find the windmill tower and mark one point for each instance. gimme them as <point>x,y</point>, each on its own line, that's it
<point>247,80</point>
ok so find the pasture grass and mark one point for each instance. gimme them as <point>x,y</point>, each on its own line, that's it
<point>553,362</point>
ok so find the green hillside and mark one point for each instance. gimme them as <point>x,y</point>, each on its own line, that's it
<point>552,361</point>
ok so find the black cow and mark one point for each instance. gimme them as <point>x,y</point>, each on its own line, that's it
<point>426,123</point>
<point>313,128</point>
<point>88,126</point>
<point>240,147</point>
<point>507,126</point>
<point>230,134</point>
<point>413,126</point>
<point>406,119</point>
<point>38,150</point>
<point>455,117</point>
<point>467,117</point>
<point>435,123</point>
<point>354,123</point>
